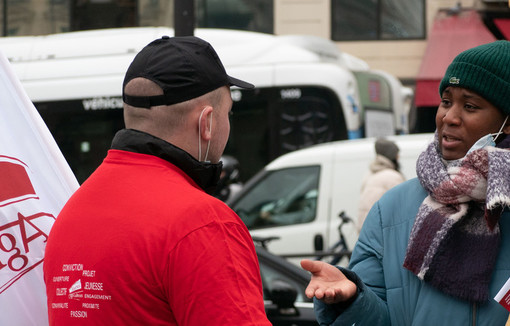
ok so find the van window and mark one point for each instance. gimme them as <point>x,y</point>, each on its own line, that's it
<point>282,197</point>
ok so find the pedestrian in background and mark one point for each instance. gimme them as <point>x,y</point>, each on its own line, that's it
<point>434,250</point>
<point>384,174</point>
<point>141,242</point>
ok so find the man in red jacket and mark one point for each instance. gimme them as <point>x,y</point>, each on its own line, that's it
<point>142,242</point>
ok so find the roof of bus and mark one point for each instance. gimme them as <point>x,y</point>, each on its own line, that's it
<point>234,47</point>
<point>93,63</point>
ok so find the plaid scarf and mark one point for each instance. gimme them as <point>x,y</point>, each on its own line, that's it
<point>455,238</point>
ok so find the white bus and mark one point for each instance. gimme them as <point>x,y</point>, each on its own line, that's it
<point>307,91</point>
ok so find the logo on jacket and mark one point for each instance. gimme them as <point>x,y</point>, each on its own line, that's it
<point>75,291</point>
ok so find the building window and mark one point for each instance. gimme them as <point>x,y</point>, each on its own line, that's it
<point>97,14</point>
<point>39,17</point>
<point>248,15</point>
<point>354,20</point>
<point>34,17</point>
<point>156,13</point>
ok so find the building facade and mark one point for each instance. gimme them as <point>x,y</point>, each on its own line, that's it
<point>387,34</point>
<point>413,40</point>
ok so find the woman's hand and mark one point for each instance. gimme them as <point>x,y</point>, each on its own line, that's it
<point>328,283</point>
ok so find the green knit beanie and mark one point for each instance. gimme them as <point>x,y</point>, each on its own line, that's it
<point>484,69</point>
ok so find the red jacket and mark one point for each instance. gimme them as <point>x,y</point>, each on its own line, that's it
<point>141,244</point>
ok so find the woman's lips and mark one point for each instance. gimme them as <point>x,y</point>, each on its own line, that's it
<point>449,141</point>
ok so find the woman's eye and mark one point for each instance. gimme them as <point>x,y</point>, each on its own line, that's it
<point>445,102</point>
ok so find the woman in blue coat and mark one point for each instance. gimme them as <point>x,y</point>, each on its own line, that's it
<point>435,250</point>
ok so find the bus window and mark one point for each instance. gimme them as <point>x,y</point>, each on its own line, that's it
<point>249,130</point>
<point>83,135</point>
<point>266,123</point>
<point>269,122</point>
<point>303,122</point>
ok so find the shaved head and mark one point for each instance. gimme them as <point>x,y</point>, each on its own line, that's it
<point>165,121</point>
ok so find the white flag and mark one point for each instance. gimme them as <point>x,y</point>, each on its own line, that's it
<point>35,183</point>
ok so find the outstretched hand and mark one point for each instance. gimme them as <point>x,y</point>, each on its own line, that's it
<point>328,283</point>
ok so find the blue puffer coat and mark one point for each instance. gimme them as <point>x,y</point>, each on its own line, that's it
<point>390,294</point>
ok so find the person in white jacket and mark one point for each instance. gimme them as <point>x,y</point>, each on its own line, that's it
<point>383,175</point>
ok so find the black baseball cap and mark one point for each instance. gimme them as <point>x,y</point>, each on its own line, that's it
<point>185,67</point>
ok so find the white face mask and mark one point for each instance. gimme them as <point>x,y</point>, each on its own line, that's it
<point>200,140</point>
<point>488,140</point>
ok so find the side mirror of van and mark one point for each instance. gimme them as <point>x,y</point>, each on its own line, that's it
<point>318,242</point>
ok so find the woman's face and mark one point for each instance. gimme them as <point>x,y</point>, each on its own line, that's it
<point>462,118</point>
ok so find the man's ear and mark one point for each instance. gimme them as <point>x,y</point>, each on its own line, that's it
<point>205,123</point>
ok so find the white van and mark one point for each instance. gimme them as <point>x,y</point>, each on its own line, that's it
<point>298,197</point>
<point>307,91</point>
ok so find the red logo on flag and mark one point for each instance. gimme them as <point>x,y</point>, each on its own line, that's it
<point>23,228</point>
<point>15,184</point>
